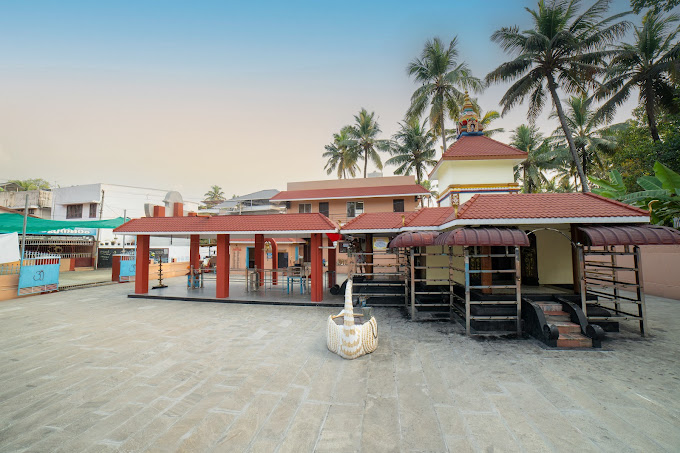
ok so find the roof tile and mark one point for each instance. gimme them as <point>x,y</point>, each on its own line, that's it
<point>474,147</point>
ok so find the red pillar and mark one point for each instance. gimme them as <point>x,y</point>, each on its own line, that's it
<point>317,268</point>
<point>331,265</point>
<point>259,255</point>
<point>275,260</point>
<point>115,268</point>
<point>194,249</point>
<point>142,265</point>
<point>222,265</point>
<point>178,210</point>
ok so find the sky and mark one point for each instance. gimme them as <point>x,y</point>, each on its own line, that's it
<point>244,95</point>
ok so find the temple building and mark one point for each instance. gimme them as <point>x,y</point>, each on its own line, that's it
<point>475,163</point>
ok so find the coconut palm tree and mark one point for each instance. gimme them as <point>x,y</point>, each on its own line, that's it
<point>442,77</point>
<point>413,149</point>
<point>592,144</point>
<point>340,156</point>
<point>647,65</point>
<point>541,157</point>
<point>213,196</point>
<point>363,139</point>
<point>562,50</point>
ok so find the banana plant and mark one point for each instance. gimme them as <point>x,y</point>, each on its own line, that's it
<point>661,194</point>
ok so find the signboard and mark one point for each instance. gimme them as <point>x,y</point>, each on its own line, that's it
<point>127,267</point>
<point>105,258</point>
<point>70,232</point>
<point>380,244</point>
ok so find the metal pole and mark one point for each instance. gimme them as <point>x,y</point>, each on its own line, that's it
<point>518,290</point>
<point>413,285</point>
<point>125,220</point>
<point>642,309</point>
<point>451,283</point>
<point>23,236</point>
<point>582,279</point>
<point>466,254</point>
<point>615,278</point>
<point>96,250</point>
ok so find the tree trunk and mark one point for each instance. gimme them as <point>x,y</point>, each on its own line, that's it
<point>365,161</point>
<point>567,132</point>
<point>651,116</point>
<point>443,132</point>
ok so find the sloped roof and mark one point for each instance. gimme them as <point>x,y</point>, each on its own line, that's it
<point>631,235</point>
<point>265,194</point>
<point>383,221</point>
<point>487,236</point>
<point>350,192</point>
<point>476,147</point>
<point>545,205</point>
<point>267,223</point>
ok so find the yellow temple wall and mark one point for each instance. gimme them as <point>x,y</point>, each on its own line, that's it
<point>553,256</point>
<point>474,172</point>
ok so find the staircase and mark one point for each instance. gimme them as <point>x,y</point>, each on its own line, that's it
<point>570,333</point>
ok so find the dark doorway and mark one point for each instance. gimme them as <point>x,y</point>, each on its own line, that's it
<point>283,260</point>
<point>530,263</point>
<point>250,256</point>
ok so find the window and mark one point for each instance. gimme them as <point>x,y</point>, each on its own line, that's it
<point>74,211</point>
<point>305,208</point>
<point>323,208</point>
<point>93,210</point>
<point>354,208</point>
<point>31,211</point>
<point>398,205</point>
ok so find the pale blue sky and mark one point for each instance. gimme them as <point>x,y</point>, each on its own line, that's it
<point>184,95</point>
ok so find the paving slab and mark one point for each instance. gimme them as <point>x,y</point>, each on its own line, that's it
<point>92,370</point>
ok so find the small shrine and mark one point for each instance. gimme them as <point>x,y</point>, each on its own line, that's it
<point>468,123</point>
<point>475,163</point>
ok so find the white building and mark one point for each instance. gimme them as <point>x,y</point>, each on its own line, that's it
<point>90,201</point>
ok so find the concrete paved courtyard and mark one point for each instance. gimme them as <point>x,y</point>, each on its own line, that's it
<point>92,370</point>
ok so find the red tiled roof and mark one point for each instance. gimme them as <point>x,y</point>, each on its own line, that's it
<point>315,222</point>
<point>475,147</point>
<point>413,239</point>
<point>350,192</point>
<point>376,221</point>
<point>426,217</point>
<point>545,205</point>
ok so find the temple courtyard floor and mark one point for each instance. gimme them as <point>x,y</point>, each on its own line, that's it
<point>93,370</point>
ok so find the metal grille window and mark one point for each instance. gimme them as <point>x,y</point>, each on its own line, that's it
<point>305,208</point>
<point>93,210</point>
<point>74,211</point>
<point>354,208</point>
<point>398,205</point>
<point>323,208</point>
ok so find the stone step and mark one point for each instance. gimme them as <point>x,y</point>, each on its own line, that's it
<point>550,306</point>
<point>567,327</point>
<point>574,340</point>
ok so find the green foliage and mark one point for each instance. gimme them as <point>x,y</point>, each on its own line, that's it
<point>31,184</point>
<point>441,77</point>
<point>657,5</point>
<point>340,156</point>
<point>541,157</point>
<point>648,67</point>
<point>661,195</point>
<point>614,188</point>
<point>214,196</point>
<point>363,139</point>
<point>636,152</point>
<point>413,149</point>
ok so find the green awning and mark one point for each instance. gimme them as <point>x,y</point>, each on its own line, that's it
<point>14,223</point>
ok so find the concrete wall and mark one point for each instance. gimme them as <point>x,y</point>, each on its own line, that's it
<point>337,209</point>
<point>353,182</point>
<point>9,285</point>
<point>554,257</point>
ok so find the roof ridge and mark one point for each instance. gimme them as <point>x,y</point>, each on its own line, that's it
<point>458,140</point>
<point>616,202</point>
